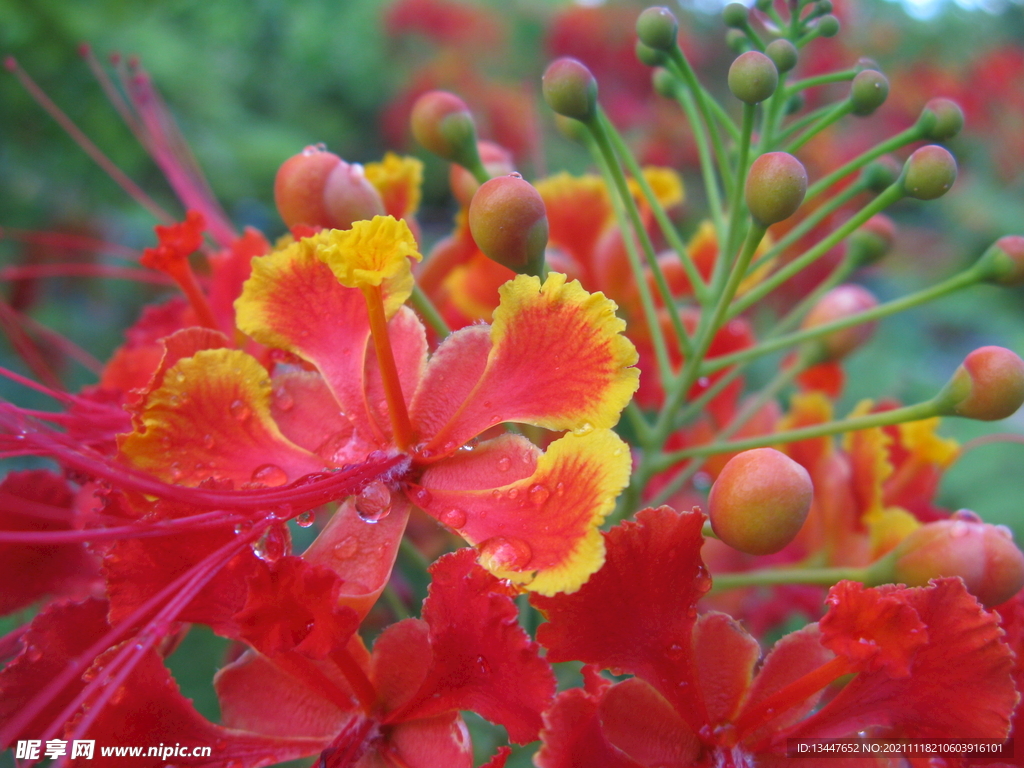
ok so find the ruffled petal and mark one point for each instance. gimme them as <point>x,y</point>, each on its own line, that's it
<point>573,736</point>
<point>636,719</point>
<point>573,337</point>
<point>398,179</point>
<point>541,530</point>
<point>211,418</point>
<point>725,658</point>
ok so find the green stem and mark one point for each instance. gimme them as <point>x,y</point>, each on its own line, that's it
<point>825,577</point>
<point>395,603</point>
<point>737,209</point>
<point>839,111</point>
<point>422,304</point>
<point>803,122</point>
<point>638,422</point>
<point>901,139</point>
<point>707,167</point>
<point>810,82</point>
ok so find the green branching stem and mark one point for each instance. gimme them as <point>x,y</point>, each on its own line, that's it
<point>839,111</point>
<point>901,139</point>
<point>422,304</point>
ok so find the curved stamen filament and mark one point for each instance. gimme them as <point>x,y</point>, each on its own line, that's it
<point>397,411</point>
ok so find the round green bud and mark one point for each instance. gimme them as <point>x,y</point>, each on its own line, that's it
<point>442,124</point>
<point>572,129</point>
<point>828,26</point>
<point>868,92</point>
<point>782,53</point>
<point>735,15</point>
<point>753,77</point>
<point>872,240</point>
<point>760,501</point>
<point>570,89</point>
<point>776,186</point>
<point>881,173</point>
<point>929,173</point>
<point>509,223</point>
<point>737,40</point>
<point>658,28</point>
<point>664,83</point>
<point>1003,262</point>
<point>763,5</point>
<point>823,6</point>
<point>648,56</point>
<point>988,386</point>
<point>949,119</point>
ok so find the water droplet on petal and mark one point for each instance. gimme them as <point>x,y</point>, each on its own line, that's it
<point>454,518</point>
<point>1005,531</point>
<point>505,553</point>
<point>271,544</point>
<point>675,652</point>
<point>513,493</point>
<point>539,493</point>
<point>179,377</point>
<point>559,489</point>
<point>584,429</point>
<point>422,497</point>
<point>449,446</point>
<point>306,519</point>
<point>242,527</point>
<point>283,399</point>
<point>269,475</point>
<point>208,442</point>
<point>240,410</point>
<point>483,664</point>
<point>504,463</point>
<point>959,529</point>
<point>33,653</point>
<point>346,548</point>
<point>967,515</point>
<point>373,504</point>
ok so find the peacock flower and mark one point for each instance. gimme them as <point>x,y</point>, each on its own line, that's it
<point>554,357</point>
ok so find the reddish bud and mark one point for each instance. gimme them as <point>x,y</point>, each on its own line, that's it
<point>753,77</point>
<point>783,53</point>
<point>983,555</point>
<point>570,89</point>
<point>872,240</point>
<point>509,223</point>
<point>442,123</point>
<point>929,173</point>
<point>299,187</point>
<point>349,196</point>
<point>868,92</point>
<point>760,501</point>
<point>775,187</point>
<point>949,119</point>
<point>839,303</point>
<point>657,28</point>
<point>497,161</point>
<point>1003,262</point>
<point>988,385</point>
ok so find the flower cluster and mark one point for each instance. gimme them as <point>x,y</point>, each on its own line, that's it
<point>599,588</point>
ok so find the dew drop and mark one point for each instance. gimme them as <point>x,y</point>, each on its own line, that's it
<point>306,519</point>
<point>271,544</point>
<point>176,473</point>
<point>449,446</point>
<point>240,410</point>
<point>373,504</point>
<point>174,401</point>
<point>208,442</point>
<point>346,548</point>
<point>497,495</point>
<point>504,463</point>
<point>283,399</point>
<point>33,653</point>
<point>967,515</point>
<point>513,494</point>
<point>454,518</point>
<point>242,527</point>
<point>422,497</point>
<point>559,489</point>
<point>675,652</point>
<point>1005,532</point>
<point>959,529</point>
<point>483,664</point>
<point>539,493</point>
<point>270,475</point>
<point>583,429</point>
<point>506,553</point>
<point>179,377</point>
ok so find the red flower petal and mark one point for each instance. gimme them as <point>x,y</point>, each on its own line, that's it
<point>541,531</point>
<point>636,614</point>
<point>725,657</point>
<point>482,659</point>
<point>402,656</point>
<point>211,418</point>
<point>178,241</point>
<point>428,743</point>
<point>636,719</point>
<point>573,737</point>
<point>306,412</point>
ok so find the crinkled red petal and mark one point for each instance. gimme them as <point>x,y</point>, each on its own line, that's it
<point>230,269</point>
<point>177,346</point>
<point>637,720</point>
<point>573,737</point>
<point>401,659</point>
<point>725,658</point>
<point>482,659</point>
<point>428,743</point>
<point>133,363</point>
<point>636,614</point>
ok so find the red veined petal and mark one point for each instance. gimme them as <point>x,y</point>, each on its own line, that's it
<point>725,658</point>
<point>306,412</point>
<point>211,418</point>
<point>401,659</point>
<point>960,683</point>
<point>293,605</point>
<point>636,614</point>
<point>572,336</point>
<point>429,743</point>
<point>636,719</point>
<point>573,737</point>
<point>177,346</point>
<point>482,659</point>
<point>540,531</point>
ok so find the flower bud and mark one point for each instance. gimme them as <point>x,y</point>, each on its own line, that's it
<point>648,56</point>
<point>570,89</point>
<point>988,385</point>
<point>735,15</point>
<point>442,124</point>
<point>828,26</point>
<point>868,92</point>
<point>823,6</point>
<point>664,83</point>
<point>573,130</point>
<point>349,196</point>
<point>737,40</point>
<point>949,119</point>
<point>299,187</point>
<point>497,161</point>
<point>753,77</point>
<point>839,303</point>
<point>783,54</point>
<point>658,28</point>
<point>775,187</point>
<point>509,223</point>
<point>983,555</point>
<point>929,173</point>
<point>760,501</point>
<point>881,173</point>
<point>871,241</point>
<point>1003,262</point>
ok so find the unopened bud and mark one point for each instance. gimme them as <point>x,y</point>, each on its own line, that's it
<point>838,304</point>
<point>776,186</point>
<point>497,161</point>
<point>871,241</point>
<point>664,83</point>
<point>735,15</point>
<point>983,555</point>
<point>929,173</point>
<point>570,89</point>
<point>1003,262</point>
<point>881,173</point>
<point>349,196</point>
<point>737,40</point>
<point>299,187</point>
<point>650,57</point>
<point>949,119</point>
<point>509,223</point>
<point>828,26</point>
<point>783,53</point>
<point>868,92</point>
<point>760,501</point>
<point>442,124</point>
<point>753,77</point>
<point>658,28</point>
<point>988,385</point>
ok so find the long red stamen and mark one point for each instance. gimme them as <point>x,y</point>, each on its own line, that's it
<point>25,347</point>
<point>397,412</point>
<point>34,271</point>
<point>70,242</point>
